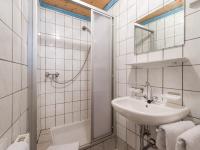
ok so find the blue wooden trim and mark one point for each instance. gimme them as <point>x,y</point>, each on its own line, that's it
<point>181,8</point>
<point>110,4</point>
<point>42,4</point>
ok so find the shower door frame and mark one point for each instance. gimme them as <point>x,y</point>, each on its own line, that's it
<point>32,76</point>
<point>93,139</point>
<point>32,71</point>
<point>100,11</point>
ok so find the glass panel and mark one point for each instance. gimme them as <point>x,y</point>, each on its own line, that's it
<point>101,74</point>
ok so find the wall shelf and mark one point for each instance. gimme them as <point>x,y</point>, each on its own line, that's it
<point>172,5</point>
<point>160,63</point>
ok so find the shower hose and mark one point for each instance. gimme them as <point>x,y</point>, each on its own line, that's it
<point>68,82</point>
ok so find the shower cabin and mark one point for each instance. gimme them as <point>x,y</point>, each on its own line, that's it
<point>74,75</point>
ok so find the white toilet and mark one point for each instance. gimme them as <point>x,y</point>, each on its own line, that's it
<point>70,146</point>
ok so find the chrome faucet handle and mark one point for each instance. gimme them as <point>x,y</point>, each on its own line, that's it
<point>155,98</point>
<point>47,74</point>
<point>145,96</point>
<point>142,89</point>
<point>147,84</point>
<point>57,74</point>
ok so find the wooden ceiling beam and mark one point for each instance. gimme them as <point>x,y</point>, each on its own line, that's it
<point>75,8</point>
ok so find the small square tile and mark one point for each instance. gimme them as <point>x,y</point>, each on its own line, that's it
<point>17,77</point>
<point>76,116</point>
<point>6,44</point>
<point>173,77</point>
<point>191,78</point>
<point>59,109</point>
<point>60,19</point>
<point>191,100</point>
<point>50,16</point>
<point>192,26</point>
<point>76,106</point>
<point>6,113</point>
<point>59,120</point>
<point>6,12</point>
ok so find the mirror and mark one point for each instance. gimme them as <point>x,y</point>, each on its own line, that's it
<point>164,30</point>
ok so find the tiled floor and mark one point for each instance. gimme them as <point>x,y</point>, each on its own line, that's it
<point>109,144</point>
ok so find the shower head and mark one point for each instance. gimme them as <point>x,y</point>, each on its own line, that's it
<point>84,28</point>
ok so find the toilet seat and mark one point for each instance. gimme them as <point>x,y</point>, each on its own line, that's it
<point>70,146</point>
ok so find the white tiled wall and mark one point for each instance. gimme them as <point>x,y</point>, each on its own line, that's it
<point>13,68</point>
<point>63,49</point>
<point>184,79</point>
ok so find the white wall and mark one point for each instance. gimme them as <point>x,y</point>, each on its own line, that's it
<point>184,79</point>
<point>63,49</point>
<point>13,68</point>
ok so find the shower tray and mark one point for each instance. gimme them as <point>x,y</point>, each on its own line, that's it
<point>70,133</point>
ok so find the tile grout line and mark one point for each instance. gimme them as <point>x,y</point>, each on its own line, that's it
<point>55,89</point>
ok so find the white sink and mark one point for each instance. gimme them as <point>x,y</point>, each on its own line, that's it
<point>148,114</point>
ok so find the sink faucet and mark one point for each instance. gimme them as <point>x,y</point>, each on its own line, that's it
<point>149,97</point>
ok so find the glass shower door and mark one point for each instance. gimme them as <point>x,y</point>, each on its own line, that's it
<point>101,71</point>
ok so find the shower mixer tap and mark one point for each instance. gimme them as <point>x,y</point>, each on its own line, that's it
<point>54,77</point>
<point>57,74</point>
<point>51,76</point>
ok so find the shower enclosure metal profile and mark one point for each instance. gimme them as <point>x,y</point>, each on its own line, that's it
<point>101,73</point>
